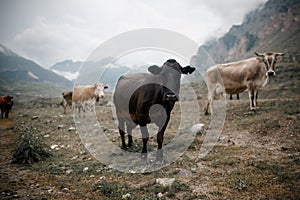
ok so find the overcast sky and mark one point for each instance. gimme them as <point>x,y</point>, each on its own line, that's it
<point>51,31</point>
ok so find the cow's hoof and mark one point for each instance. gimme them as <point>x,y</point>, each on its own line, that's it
<point>124,147</point>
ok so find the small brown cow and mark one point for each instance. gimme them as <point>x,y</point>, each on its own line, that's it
<point>67,100</point>
<point>86,96</point>
<point>235,77</point>
<point>5,105</point>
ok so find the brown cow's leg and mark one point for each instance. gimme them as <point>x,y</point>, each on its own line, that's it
<point>145,135</point>
<point>251,96</point>
<point>255,100</point>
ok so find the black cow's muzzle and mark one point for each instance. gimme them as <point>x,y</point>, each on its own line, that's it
<point>171,97</point>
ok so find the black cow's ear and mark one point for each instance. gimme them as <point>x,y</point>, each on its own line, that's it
<point>154,69</point>
<point>105,86</point>
<point>187,70</point>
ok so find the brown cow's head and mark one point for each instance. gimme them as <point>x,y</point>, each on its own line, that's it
<point>169,75</point>
<point>269,58</point>
<point>99,90</point>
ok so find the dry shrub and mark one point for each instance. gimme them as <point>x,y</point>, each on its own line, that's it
<point>29,150</point>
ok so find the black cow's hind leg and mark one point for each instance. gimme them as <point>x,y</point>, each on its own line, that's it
<point>129,132</point>
<point>122,133</point>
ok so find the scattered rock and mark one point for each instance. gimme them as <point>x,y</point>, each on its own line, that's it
<point>160,195</point>
<point>198,129</point>
<point>34,117</point>
<point>46,136</point>
<point>193,170</point>
<point>54,146</point>
<point>165,181</point>
<point>72,128</point>
<point>60,126</point>
<point>126,196</point>
<point>85,169</point>
<point>69,171</point>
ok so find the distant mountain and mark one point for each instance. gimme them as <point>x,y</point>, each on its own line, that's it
<point>89,72</point>
<point>17,74</point>
<point>274,26</point>
<point>67,69</point>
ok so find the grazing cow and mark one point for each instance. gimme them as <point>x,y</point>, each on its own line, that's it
<point>233,78</point>
<point>84,96</point>
<point>5,105</point>
<point>67,100</point>
<point>145,98</point>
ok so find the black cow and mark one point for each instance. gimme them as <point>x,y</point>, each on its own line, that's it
<point>5,105</point>
<point>145,98</point>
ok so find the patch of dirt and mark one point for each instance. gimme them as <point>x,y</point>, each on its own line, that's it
<point>257,155</point>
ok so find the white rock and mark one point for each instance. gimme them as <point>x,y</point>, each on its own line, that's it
<point>85,169</point>
<point>165,181</point>
<point>54,146</point>
<point>72,128</point>
<point>45,136</point>
<point>69,171</point>
<point>198,129</point>
<point>60,126</point>
<point>160,195</point>
<point>35,117</point>
<point>125,196</point>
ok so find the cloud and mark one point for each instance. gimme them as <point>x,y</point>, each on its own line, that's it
<point>73,29</point>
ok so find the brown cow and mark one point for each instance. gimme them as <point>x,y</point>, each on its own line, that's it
<point>235,77</point>
<point>84,96</point>
<point>145,98</point>
<point>5,105</point>
<point>67,100</point>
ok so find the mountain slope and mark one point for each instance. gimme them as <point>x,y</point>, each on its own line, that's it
<point>272,27</point>
<point>15,69</point>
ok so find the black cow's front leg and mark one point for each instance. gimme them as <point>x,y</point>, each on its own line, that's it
<point>160,139</point>
<point>145,135</point>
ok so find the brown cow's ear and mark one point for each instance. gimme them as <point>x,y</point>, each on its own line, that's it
<point>105,86</point>
<point>154,69</point>
<point>187,70</point>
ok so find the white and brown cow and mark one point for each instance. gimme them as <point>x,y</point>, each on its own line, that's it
<point>67,100</point>
<point>235,77</point>
<point>86,96</point>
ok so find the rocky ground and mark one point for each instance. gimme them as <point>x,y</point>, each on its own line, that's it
<point>257,155</point>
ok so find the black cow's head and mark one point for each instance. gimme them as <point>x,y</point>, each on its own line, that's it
<point>169,77</point>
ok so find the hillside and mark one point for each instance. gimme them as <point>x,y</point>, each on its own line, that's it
<point>273,27</point>
<point>18,74</point>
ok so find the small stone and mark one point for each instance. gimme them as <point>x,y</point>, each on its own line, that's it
<point>69,171</point>
<point>160,195</point>
<point>165,181</point>
<point>46,136</point>
<point>85,169</point>
<point>72,128</point>
<point>193,170</point>
<point>198,129</point>
<point>60,126</point>
<point>54,146</point>
<point>34,117</point>
<point>125,196</point>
